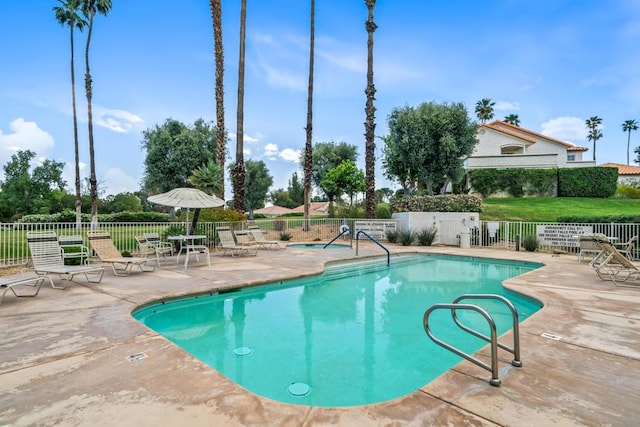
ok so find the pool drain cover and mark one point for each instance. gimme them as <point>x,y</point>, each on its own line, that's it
<point>299,389</point>
<point>242,351</point>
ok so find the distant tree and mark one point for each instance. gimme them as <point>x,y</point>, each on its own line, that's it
<point>257,185</point>
<point>238,173</point>
<point>221,137</point>
<point>121,202</point>
<point>173,151</point>
<point>593,124</point>
<point>89,9</point>
<point>68,14</point>
<point>281,197</point>
<point>27,190</point>
<point>428,145</point>
<point>206,178</point>
<point>628,126</point>
<point>345,178</point>
<point>328,155</point>
<point>512,119</point>
<point>296,190</point>
<point>484,109</point>
<point>383,195</point>
<point>370,121</point>
<point>637,152</point>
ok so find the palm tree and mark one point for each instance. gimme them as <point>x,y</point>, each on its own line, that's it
<point>370,124</point>
<point>221,134</point>
<point>238,171</point>
<point>207,179</point>
<point>595,133</point>
<point>308,147</point>
<point>89,9</point>
<point>628,126</point>
<point>512,119</point>
<point>484,109</point>
<point>68,14</point>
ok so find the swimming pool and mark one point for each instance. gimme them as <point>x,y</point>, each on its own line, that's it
<point>350,336</point>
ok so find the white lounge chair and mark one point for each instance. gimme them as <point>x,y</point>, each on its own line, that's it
<point>611,264</point>
<point>229,245</point>
<point>627,248</point>
<point>162,248</point>
<point>149,249</point>
<point>108,253</point>
<point>587,246</point>
<point>262,242</point>
<point>47,260</point>
<point>10,283</point>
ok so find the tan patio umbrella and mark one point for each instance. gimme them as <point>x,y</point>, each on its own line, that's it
<point>187,198</point>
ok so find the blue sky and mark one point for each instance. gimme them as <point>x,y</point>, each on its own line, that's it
<point>555,63</point>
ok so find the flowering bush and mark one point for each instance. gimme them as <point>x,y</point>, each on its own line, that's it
<point>446,203</point>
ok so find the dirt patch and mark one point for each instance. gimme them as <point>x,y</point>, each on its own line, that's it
<point>9,271</point>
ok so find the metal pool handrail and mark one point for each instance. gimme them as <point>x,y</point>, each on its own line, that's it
<point>374,241</point>
<point>346,230</point>
<point>493,340</point>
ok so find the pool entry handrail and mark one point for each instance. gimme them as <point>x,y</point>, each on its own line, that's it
<point>359,232</point>
<point>343,230</point>
<point>493,340</point>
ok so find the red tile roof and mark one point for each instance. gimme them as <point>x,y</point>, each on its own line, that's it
<point>528,135</point>
<point>623,169</point>
<point>315,208</point>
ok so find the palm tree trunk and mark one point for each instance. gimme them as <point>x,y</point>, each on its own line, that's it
<point>75,136</point>
<point>221,134</point>
<point>238,172</point>
<point>628,145</point>
<point>93,182</point>
<point>370,124</point>
<point>308,148</point>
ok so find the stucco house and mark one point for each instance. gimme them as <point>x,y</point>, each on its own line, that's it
<point>626,173</point>
<point>502,145</point>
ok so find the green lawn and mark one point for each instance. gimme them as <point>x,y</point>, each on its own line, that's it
<point>547,209</point>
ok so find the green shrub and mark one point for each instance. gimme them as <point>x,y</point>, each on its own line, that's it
<point>406,237</point>
<point>391,235</point>
<point>446,203</point>
<point>627,192</point>
<point>285,236</point>
<point>595,181</point>
<point>530,243</point>
<point>383,211</point>
<point>541,182</point>
<point>592,219</point>
<point>426,236</point>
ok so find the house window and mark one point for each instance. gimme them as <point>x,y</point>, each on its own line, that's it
<point>571,157</point>
<point>511,149</point>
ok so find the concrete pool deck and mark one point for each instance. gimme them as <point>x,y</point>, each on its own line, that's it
<point>64,355</point>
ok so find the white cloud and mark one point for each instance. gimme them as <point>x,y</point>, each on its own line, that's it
<point>69,174</point>
<point>565,128</point>
<point>24,136</point>
<point>120,121</point>
<point>290,155</point>
<point>271,151</point>
<point>117,181</point>
<point>507,106</point>
<point>245,137</point>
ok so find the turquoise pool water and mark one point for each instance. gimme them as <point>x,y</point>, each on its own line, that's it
<point>350,336</point>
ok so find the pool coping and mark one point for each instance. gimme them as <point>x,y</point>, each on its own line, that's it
<point>65,355</point>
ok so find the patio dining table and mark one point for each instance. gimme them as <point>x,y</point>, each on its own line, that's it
<point>191,244</point>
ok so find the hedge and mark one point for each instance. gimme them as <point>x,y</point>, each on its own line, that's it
<point>446,203</point>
